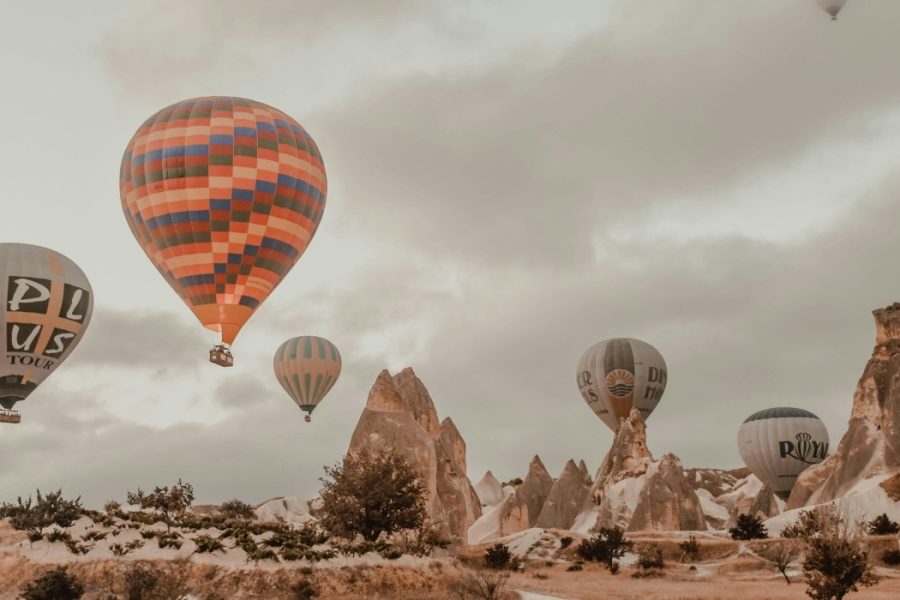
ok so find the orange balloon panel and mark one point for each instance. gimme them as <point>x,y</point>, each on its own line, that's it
<point>224,195</point>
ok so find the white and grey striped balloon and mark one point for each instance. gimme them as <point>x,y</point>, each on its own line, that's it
<point>777,444</point>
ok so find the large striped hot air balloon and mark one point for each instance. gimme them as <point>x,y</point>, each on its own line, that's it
<point>224,195</point>
<point>307,367</point>
<point>617,375</point>
<point>47,307</point>
<point>777,444</point>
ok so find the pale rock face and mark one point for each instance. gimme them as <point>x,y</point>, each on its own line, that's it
<point>489,491</point>
<point>871,445</point>
<point>535,490</point>
<point>565,499</point>
<point>667,501</point>
<point>400,417</point>
<point>290,509</point>
<point>582,466</point>
<point>749,496</point>
<point>635,492</point>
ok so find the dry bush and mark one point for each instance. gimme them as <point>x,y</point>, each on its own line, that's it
<point>781,555</point>
<point>481,585</point>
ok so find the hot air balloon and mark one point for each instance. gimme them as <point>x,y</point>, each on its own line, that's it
<point>48,304</point>
<point>832,7</point>
<point>307,367</point>
<point>777,444</point>
<point>618,374</point>
<point>224,195</point>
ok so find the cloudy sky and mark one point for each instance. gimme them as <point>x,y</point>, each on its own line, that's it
<point>509,182</point>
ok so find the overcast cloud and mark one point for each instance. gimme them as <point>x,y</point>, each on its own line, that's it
<point>507,186</point>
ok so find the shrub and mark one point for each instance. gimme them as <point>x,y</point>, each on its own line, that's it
<point>891,557</point>
<point>48,510</point>
<point>390,552</point>
<point>650,557</point>
<point>576,566</point>
<point>480,585</point>
<point>497,557</point>
<point>58,535</point>
<point>690,548</point>
<point>812,523</point>
<point>235,509</point>
<point>53,585</point>
<point>168,502</point>
<point>836,562</point>
<point>780,555</point>
<point>605,547</point>
<point>147,582</point>
<point>169,540</point>
<point>208,544</point>
<point>371,495</point>
<point>882,525</point>
<point>748,527</point>
<point>304,589</point>
<point>565,542</point>
<point>94,536</point>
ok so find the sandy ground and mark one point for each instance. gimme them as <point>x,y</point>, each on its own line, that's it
<point>594,583</point>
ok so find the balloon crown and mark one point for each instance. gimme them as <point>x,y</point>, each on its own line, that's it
<point>803,436</point>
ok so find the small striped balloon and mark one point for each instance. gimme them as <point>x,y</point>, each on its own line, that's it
<point>307,368</point>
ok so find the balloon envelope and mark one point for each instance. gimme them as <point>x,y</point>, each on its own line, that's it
<point>307,368</point>
<point>223,195</point>
<point>618,374</point>
<point>832,7</point>
<point>48,304</point>
<point>777,444</point>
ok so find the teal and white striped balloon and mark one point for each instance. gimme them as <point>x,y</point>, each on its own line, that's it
<point>307,368</point>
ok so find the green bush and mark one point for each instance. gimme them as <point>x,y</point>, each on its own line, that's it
<point>53,585</point>
<point>48,510</point>
<point>565,542</point>
<point>882,525</point>
<point>690,548</point>
<point>208,544</point>
<point>891,557</point>
<point>605,546</point>
<point>235,509</point>
<point>497,557</point>
<point>650,557</point>
<point>748,527</point>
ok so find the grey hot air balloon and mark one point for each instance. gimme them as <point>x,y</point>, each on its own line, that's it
<point>832,7</point>
<point>618,374</point>
<point>777,444</point>
<point>47,307</point>
<point>307,368</point>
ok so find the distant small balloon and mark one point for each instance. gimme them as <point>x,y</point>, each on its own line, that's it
<point>777,444</point>
<point>832,7</point>
<point>617,375</point>
<point>307,367</point>
<point>48,304</point>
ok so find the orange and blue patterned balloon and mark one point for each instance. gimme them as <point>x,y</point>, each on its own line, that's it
<point>224,195</point>
<point>307,368</point>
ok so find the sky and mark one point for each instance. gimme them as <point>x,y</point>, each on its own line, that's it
<point>509,183</point>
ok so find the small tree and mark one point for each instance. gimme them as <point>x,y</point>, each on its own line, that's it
<point>605,546</point>
<point>370,495</point>
<point>169,502</point>
<point>53,585</point>
<point>48,510</point>
<point>480,585</point>
<point>497,556</point>
<point>836,562</point>
<point>748,527</point>
<point>690,548</point>
<point>882,525</point>
<point>650,556</point>
<point>235,509</point>
<point>781,555</point>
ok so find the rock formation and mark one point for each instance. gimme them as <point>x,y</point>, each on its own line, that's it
<point>565,499</point>
<point>400,416</point>
<point>534,490</point>
<point>871,446</point>
<point>489,491</point>
<point>634,492</point>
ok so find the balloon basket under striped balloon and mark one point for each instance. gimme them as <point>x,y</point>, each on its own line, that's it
<point>10,416</point>
<point>221,355</point>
